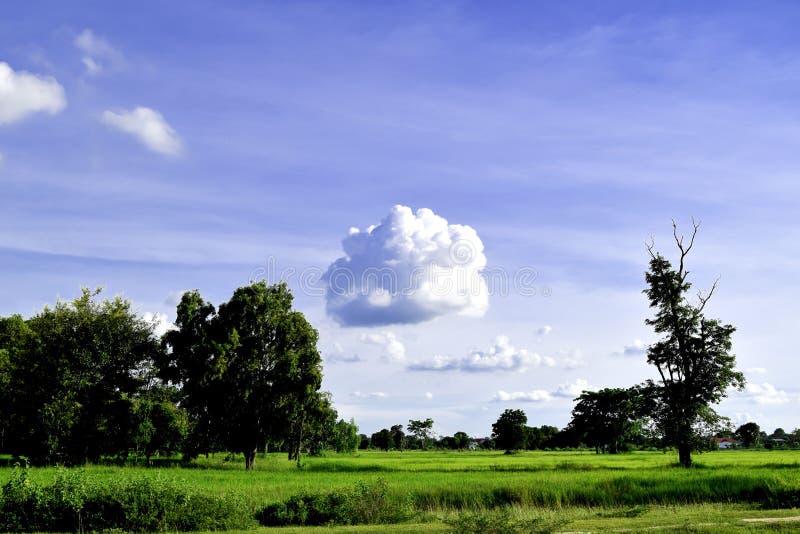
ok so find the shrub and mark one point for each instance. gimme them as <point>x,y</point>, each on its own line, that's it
<point>364,504</point>
<point>500,521</point>
<point>146,504</point>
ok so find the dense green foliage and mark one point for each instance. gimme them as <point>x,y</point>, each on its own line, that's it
<point>88,380</point>
<point>609,418</point>
<point>73,503</point>
<point>363,504</point>
<point>250,372</point>
<point>509,430</point>
<point>73,372</point>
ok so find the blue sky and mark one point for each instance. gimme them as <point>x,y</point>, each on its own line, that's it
<point>154,148</point>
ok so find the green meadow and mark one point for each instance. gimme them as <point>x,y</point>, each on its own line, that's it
<point>558,491</point>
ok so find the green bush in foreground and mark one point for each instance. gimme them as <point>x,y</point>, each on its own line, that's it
<point>500,521</point>
<point>142,504</point>
<point>364,504</point>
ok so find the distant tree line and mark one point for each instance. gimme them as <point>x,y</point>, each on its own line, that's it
<point>88,379</point>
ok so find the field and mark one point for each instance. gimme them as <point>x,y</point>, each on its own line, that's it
<point>569,491</point>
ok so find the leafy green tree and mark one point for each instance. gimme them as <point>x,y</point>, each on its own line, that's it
<point>398,437</point>
<point>248,372</point>
<point>381,440</point>
<point>461,440</point>
<point>693,357</point>
<point>345,436</point>
<point>749,434</point>
<point>422,431</point>
<point>509,430</point>
<point>607,418</point>
<point>161,426</point>
<point>74,368</point>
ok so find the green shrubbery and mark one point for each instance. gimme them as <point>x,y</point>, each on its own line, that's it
<point>143,504</point>
<point>500,521</point>
<point>364,504</point>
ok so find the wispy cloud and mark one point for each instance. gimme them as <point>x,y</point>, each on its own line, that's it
<point>569,390</point>
<point>501,356</point>
<point>149,127</point>
<point>98,54</point>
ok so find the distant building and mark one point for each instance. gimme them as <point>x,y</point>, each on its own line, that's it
<point>726,443</point>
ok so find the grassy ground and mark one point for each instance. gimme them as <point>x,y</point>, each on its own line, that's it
<point>584,491</point>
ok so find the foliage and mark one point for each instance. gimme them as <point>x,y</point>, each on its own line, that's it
<point>499,521</point>
<point>249,372</point>
<point>509,430</point>
<point>693,356</point>
<point>749,434</point>
<point>422,431</point>
<point>71,373</point>
<point>605,419</point>
<point>366,503</point>
<point>142,504</point>
<point>382,440</point>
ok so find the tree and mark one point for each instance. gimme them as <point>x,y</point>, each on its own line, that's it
<point>693,356</point>
<point>160,425</point>
<point>422,431</point>
<point>398,437</point>
<point>74,369</point>
<point>749,434</point>
<point>248,372</point>
<point>509,430</point>
<point>461,440</point>
<point>605,419</point>
<point>345,436</point>
<point>381,440</point>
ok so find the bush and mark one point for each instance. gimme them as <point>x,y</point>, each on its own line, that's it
<point>145,504</point>
<point>364,504</point>
<point>499,521</point>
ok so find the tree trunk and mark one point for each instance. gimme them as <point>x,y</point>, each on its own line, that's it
<point>685,454</point>
<point>249,459</point>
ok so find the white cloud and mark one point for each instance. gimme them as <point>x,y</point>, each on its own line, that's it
<point>544,330</point>
<point>540,395</point>
<point>393,349</point>
<point>756,371</point>
<point>537,395</point>
<point>149,127</point>
<point>369,395</point>
<point>501,356</point>
<point>1,158</point>
<point>574,389</point>
<point>412,267</point>
<point>766,393</point>
<point>98,53</point>
<point>428,395</point>
<point>161,325</point>
<point>22,94</point>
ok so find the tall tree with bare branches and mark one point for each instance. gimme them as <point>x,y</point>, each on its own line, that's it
<point>693,357</point>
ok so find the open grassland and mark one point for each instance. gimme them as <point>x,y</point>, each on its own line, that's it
<point>575,491</point>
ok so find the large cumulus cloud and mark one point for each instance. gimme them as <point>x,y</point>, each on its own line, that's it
<point>412,267</point>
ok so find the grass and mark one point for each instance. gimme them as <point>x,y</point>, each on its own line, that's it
<point>589,492</point>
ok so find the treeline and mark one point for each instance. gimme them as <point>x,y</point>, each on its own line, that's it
<point>89,379</point>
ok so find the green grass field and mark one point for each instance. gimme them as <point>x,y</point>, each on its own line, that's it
<point>579,491</point>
